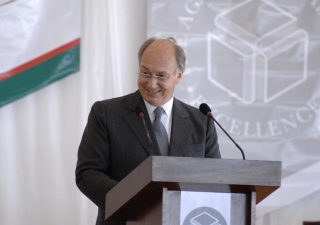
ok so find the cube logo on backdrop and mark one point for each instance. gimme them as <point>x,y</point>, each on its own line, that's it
<point>258,49</point>
<point>244,56</point>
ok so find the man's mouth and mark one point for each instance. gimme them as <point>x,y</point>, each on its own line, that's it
<point>153,91</point>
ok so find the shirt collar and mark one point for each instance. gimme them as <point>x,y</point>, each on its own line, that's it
<point>167,107</point>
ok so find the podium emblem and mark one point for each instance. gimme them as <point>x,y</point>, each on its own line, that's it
<point>204,216</point>
<point>204,219</point>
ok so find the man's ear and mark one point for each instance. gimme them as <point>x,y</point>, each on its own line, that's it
<point>179,77</point>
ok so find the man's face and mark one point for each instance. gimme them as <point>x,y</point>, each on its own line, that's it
<point>159,59</point>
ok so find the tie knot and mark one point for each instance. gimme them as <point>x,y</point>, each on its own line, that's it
<point>158,112</point>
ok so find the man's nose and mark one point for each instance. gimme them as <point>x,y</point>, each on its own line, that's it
<point>152,82</point>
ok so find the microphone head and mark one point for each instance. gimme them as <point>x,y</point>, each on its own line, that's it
<point>205,109</point>
<point>139,110</point>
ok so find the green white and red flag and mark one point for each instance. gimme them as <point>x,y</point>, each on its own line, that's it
<point>39,44</point>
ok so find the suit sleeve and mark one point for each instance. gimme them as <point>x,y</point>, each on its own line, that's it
<point>212,146</point>
<point>94,158</point>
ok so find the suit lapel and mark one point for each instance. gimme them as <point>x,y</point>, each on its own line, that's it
<point>136,125</point>
<point>180,130</point>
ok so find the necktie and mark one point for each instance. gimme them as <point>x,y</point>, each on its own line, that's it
<point>160,131</point>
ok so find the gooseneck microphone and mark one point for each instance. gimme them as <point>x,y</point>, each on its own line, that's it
<point>205,109</point>
<point>140,112</point>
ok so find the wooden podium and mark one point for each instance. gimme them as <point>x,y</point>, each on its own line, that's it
<point>150,194</point>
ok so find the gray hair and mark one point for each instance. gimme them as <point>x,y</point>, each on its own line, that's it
<point>180,54</point>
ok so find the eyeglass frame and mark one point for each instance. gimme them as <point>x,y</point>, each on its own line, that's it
<point>157,77</point>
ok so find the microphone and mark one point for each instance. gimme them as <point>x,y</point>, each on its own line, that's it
<point>205,109</point>
<point>140,113</point>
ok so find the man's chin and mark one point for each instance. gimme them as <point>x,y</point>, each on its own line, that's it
<point>152,96</point>
<point>151,101</point>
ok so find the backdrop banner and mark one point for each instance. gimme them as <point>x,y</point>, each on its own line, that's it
<point>39,44</point>
<point>256,63</point>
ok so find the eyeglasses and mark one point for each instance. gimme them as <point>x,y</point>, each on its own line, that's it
<point>159,77</point>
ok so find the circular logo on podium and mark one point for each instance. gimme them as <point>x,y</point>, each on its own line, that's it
<point>204,216</point>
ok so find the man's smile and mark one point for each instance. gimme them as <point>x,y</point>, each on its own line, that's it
<point>153,91</point>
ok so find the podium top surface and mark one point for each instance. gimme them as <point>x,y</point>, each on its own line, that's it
<point>194,174</point>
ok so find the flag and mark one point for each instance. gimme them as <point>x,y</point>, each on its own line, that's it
<point>39,44</point>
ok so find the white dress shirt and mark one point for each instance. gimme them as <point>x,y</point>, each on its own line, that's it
<point>166,118</point>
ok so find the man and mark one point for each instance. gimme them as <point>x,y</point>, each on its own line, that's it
<point>115,142</point>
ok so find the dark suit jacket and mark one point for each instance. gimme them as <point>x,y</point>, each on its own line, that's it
<point>114,142</point>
